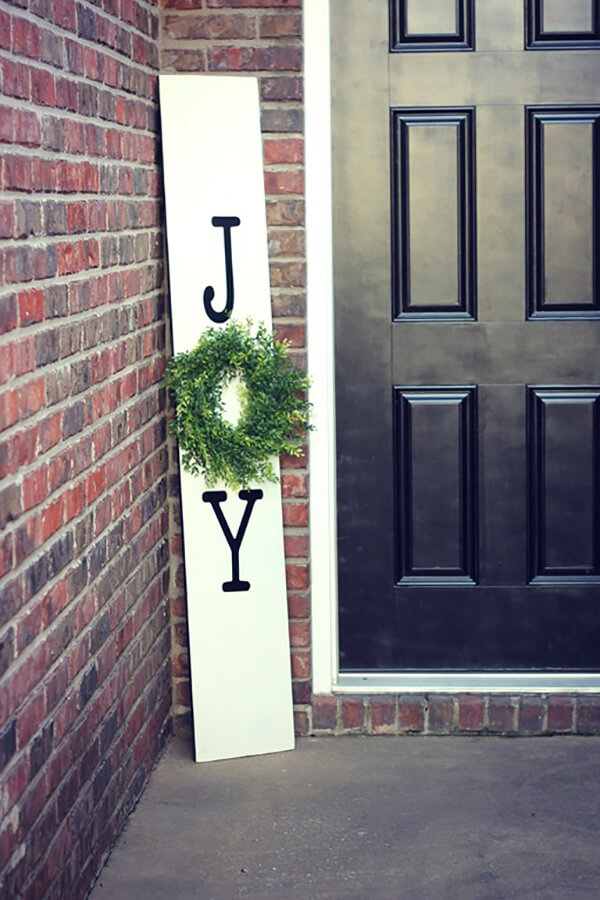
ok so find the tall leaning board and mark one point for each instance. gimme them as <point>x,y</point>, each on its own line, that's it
<point>217,238</point>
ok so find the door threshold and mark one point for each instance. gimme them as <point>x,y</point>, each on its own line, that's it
<point>467,682</point>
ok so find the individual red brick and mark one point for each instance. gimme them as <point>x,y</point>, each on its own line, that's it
<point>24,356</point>
<point>102,516</point>
<point>531,715</point>
<point>211,27</point>
<point>252,59</point>
<point>588,715</point>
<point>289,181</point>
<point>50,430</point>
<point>301,723</point>
<point>59,470</point>
<point>299,634</point>
<point>411,713</point>
<point>66,94</point>
<point>353,714</point>
<point>27,128</point>
<point>281,26</point>
<point>25,445</point>
<point>282,120</point>
<point>300,665</point>
<point>6,554</point>
<point>52,518</point>
<point>294,485</point>
<point>181,663</point>
<point>65,14</point>
<point>184,60</point>
<point>9,410</point>
<point>18,174</point>
<point>26,39</point>
<point>441,714</point>
<point>298,606</point>
<point>31,306</point>
<point>28,538</point>
<point>324,713</point>
<point>287,274</point>
<point>7,124</point>
<point>32,397</point>
<point>30,717</point>
<point>29,626</point>
<point>561,711</point>
<point>296,546</point>
<point>92,63</point>
<point>28,216</point>
<point>42,88</point>
<point>281,87</point>
<point>15,79</point>
<point>77,217</point>
<point>4,31</point>
<point>501,714</point>
<point>383,715</point>
<point>279,151</point>
<point>285,211</point>
<point>470,712</point>
<point>74,501</point>
<point>52,51</point>
<point>301,692</point>
<point>14,780</point>
<point>7,358</point>
<point>293,334</point>
<point>296,575</point>
<point>181,693</point>
<point>295,514</point>
<point>8,313</point>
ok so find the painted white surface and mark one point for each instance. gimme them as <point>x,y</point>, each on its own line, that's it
<point>323,542</point>
<point>467,683</point>
<point>317,82</point>
<point>239,644</point>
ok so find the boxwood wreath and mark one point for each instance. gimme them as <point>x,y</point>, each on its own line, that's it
<point>274,412</point>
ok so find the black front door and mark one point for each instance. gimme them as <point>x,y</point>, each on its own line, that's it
<point>466,141</point>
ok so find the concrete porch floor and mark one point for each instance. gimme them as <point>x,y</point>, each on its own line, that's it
<point>364,817</point>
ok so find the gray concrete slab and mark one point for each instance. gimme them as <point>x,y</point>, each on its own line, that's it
<point>363,817</point>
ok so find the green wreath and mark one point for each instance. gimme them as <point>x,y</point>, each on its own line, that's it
<point>274,412</point>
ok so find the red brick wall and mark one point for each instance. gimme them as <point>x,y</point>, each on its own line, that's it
<point>261,38</point>
<point>84,630</point>
<point>494,714</point>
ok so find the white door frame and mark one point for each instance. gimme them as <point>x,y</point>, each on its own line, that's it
<point>321,363</point>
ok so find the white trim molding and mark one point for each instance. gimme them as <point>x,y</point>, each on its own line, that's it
<point>321,361</point>
<point>467,683</point>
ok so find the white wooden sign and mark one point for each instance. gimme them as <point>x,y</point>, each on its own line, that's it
<point>234,558</point>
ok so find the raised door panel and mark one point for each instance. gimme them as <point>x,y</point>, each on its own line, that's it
<point>562,24</point>
<point>564,484</point>
<point>563,202</point>
<point>436,485</point>
<point>431,25</point>
<point>433,213</point>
